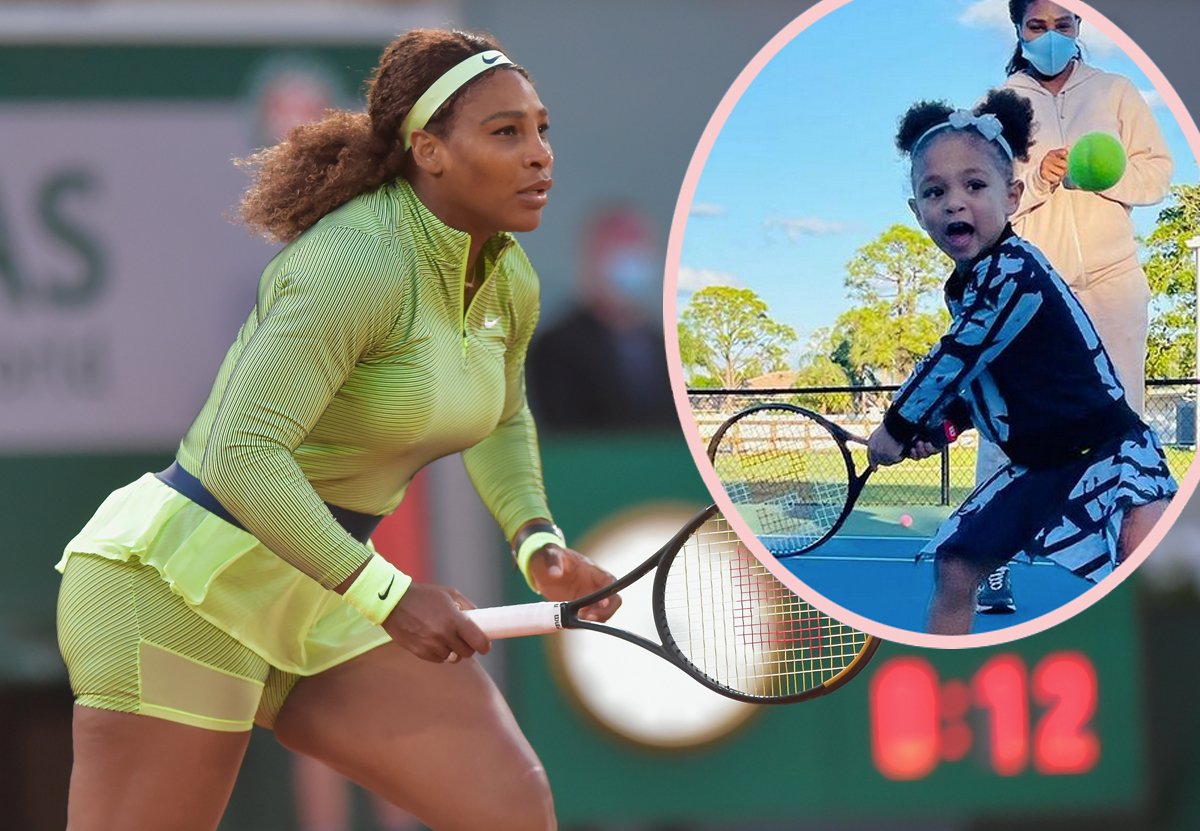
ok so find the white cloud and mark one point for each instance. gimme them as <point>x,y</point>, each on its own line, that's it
<point>987,14</point>
<point>694,279</point>
<point>706,209</point>
<point>796,227</point>
<point>1153,98</point>
<point>993,14</point>
<point>1096,44</point>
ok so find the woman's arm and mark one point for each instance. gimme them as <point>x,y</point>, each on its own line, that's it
<point>335,298</point>
<point>1041,175</point>
<point>506,469</point>
<point>1148,164</point>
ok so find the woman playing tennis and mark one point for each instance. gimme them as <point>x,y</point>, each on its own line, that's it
<point>1021,363</point>
<point>238,586</point>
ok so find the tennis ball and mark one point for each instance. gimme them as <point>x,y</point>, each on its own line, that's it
<point>1096,161</point>
<point>905,520</point>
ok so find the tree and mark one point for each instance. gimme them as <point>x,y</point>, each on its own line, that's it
<point>877,347</point>
<point>1171,271</point>
<point>738,336</point>
<point>902,268</point>
<point>693,352</point>
<point>897,279</point>
<point>823,371</point>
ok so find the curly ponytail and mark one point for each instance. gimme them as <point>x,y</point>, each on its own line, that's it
<point>917,120</point>
<point>1015,114</point>
<point>318,167</point>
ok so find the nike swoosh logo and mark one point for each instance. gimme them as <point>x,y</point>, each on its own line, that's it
<point>488,324</point>
<point>493,60</point>
<point>383,594</point>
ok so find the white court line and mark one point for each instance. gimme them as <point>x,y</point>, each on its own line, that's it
<point>854,558</point>
<point>867,541</point>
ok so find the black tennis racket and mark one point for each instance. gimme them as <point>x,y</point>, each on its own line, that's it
<point>721,617</point>
<point>790,474</point>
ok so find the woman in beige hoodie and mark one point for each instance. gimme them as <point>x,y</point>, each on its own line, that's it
<point>1087,236</point>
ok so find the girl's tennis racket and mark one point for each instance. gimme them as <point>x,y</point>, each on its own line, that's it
<point>790,474</point>
<point>721,617</point>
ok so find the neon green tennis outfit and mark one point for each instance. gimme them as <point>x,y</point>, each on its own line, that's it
<point>357,367</point>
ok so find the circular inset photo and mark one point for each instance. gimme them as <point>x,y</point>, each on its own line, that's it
<point>931,312</point>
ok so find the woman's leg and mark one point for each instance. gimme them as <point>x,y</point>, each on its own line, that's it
<point>165,701</point>
<point>1118,306</point>
<point>1136,524</point>
<point>138,773</point>
<point>435,739</point>
<point>952,609</point>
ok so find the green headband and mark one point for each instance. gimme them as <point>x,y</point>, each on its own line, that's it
<point>441,89</point>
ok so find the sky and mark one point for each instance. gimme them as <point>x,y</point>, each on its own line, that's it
<point>805,172</point>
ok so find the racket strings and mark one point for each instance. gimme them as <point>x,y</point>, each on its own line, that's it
<point>743,628</point>
<point>787,476</point>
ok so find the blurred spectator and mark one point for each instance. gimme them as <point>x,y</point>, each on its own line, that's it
<point>603,365</point>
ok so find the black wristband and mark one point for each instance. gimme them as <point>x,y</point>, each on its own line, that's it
<point>528,530</point>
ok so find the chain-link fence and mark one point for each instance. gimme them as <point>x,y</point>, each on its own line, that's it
<point>945,479</point>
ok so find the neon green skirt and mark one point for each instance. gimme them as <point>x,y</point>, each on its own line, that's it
<point>228,577</point>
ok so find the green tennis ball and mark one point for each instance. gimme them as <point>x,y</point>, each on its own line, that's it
<point>1096,161</point>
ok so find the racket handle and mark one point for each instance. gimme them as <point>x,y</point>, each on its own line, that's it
<point>520,620</point>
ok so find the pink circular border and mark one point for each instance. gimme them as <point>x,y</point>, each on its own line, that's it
<point>687,420</point>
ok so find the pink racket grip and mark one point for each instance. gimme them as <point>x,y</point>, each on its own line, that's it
<point>518,621</point>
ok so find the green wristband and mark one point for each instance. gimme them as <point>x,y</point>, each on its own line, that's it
<point>377,589</point>
<point>531,544</point>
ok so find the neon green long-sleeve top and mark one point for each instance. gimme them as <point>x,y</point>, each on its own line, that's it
<point>358,366</point>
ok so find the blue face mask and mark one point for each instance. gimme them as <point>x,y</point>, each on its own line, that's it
<point>1049,53</point>
<point>634,275</point>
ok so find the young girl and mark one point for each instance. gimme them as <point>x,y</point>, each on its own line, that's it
<point>1023,365</point>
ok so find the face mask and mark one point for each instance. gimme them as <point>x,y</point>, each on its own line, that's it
<point>634,276</point>
<point>1049,53</point>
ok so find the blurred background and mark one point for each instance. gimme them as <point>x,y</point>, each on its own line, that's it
<point>122,283</point>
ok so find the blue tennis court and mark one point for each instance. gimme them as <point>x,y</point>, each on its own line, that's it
<point>869,567</point>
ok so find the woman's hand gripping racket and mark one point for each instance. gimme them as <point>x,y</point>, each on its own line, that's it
<point>790,474</point>
<point>721,617</point>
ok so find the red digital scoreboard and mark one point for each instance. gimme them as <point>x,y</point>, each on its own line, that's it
<point>1039,717</point>
<point>1046,724</point>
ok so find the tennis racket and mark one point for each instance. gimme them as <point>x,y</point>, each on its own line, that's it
<point>721,617</point>
<point>790,474</point>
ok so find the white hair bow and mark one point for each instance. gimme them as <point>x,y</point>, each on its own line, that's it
<point>987,125</point>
